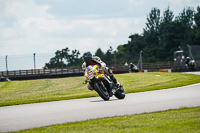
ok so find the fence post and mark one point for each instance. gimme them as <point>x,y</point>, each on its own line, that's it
<point>7,64</point>
<point>34,62</point>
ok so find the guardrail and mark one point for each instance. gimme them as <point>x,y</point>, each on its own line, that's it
<point>50,73</point>
<point>34,72</point>
<point>41,72</point>
<point>154,67</point>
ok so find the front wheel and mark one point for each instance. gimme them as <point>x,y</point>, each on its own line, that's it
<point>102,91</point>
<point>120,94</point>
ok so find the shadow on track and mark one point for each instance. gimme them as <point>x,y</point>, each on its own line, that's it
<point>106,101</point>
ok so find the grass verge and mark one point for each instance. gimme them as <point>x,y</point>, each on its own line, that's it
<point>186,120</point>
<point>44,90</point>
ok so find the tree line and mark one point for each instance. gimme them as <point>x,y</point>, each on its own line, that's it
<point>162,35</point>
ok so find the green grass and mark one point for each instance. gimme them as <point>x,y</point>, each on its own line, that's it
<point>186,120</point>
<point>43,90</point>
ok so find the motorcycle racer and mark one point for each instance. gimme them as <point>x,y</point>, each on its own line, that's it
<point>190,64</point>
<point>95,60</point>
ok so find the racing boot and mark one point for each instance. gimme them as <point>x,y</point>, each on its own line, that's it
<point>116,82</point>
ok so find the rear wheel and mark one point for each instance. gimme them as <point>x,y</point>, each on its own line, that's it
<point>120,94</point>
<point>102,91</point>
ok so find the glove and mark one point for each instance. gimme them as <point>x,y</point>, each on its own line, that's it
<point>103,66</point>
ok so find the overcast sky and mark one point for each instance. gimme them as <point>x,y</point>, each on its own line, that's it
<point>44,26</point>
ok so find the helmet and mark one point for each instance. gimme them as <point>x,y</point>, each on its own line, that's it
<point>188,58</point>
<point>87,56</point>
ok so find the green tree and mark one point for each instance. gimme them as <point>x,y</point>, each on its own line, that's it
<point>186,21</point>
<point>134,47</point>
<point>152,36</point>
<point>73,59</point>
<point>197,27</point>
<point>160,38</point>
<point>57,61</point>
<point>153,21</point>
<point>63,58</point>
<point>100,54</point>
<point>109,56</point>
<point>167,34</point>
<point>122,54</point>
<point>54,63</point>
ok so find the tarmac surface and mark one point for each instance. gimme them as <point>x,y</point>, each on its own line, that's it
<point>20,117</point>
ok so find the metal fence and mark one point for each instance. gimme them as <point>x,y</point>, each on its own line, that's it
<point>154,67</point>
<point>32,65</point>
<point>35,72</point>
<point>24,62</point>
<point>151,67</point>
<point>40,72</point>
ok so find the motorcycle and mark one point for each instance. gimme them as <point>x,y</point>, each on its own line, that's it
<point>192,65</point>
<point>102,83</point>
<point>133,68</point>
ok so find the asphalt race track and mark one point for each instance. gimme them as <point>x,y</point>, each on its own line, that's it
<point>20,117</point>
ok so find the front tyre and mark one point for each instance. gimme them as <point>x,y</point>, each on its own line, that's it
<point>120,94</point>
<point>102,91</point>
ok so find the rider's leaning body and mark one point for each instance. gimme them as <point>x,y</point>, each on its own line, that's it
<point>95,60</point>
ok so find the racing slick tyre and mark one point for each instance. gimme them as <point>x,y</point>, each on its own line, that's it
<point>120,94</point>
